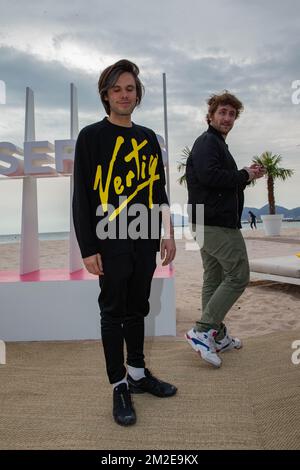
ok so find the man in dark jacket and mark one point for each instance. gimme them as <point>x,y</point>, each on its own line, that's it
<point>214,181</point>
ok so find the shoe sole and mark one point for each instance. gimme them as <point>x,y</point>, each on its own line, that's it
<point>198,351</point>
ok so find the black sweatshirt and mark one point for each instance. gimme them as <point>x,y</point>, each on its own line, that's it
<point>214,180</point>
<point>113,162</point>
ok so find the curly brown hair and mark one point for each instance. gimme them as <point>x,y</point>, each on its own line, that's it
<point>110,76</point>
<point>224,99</point>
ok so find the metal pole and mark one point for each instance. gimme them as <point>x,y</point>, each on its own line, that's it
<point>75,261</point>
<point>166,133</point>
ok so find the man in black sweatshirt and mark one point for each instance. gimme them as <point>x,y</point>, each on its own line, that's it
<point>119,173</point>
<point>214,180</point>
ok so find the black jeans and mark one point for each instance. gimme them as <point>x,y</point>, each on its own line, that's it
<point>124,303</point>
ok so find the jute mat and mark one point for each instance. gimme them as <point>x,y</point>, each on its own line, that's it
<point>55,395</point>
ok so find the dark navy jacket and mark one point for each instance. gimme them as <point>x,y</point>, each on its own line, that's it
<point>214,180</point>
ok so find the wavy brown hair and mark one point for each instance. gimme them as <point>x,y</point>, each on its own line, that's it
<point>223,99</point>
<point>110,76</point>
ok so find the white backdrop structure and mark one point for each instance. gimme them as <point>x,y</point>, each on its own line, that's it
<point>61,304</point>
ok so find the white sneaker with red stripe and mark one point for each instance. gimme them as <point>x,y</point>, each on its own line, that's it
<point>204,344</point>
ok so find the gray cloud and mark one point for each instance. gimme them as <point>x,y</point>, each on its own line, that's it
<point>251,49</point>
<point>50,80</point>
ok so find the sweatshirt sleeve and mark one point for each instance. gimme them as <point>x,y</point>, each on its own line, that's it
<point>81,204</point>
<point>208,166</point>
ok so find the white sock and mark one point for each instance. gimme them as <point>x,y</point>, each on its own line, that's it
<point>136,373</point>
<point>123,381</point>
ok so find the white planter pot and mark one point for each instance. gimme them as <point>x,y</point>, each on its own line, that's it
<point>272,224</point>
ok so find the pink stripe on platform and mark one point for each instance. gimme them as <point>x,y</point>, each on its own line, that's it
<point>164,272</point>
<point>43,275</point>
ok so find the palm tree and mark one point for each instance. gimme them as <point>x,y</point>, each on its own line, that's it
<point>273,171</point>
<point>181,167</point>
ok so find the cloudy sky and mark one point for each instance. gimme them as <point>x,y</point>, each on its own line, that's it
<point>250,48</point>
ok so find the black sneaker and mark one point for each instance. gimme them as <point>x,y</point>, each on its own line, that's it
<point>123,410</point>
<point>151,385</point>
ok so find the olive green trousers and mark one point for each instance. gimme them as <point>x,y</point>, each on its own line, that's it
<point>226,275</point>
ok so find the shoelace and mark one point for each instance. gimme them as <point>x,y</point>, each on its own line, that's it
<point>123,398</point>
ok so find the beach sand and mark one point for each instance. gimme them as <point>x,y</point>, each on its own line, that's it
<point>263,308</point>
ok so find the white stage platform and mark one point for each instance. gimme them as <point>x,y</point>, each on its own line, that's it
<point>50,305</point>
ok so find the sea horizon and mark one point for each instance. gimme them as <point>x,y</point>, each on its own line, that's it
<point>16,237</point>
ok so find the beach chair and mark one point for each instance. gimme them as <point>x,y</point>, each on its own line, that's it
<point>281,269</point>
